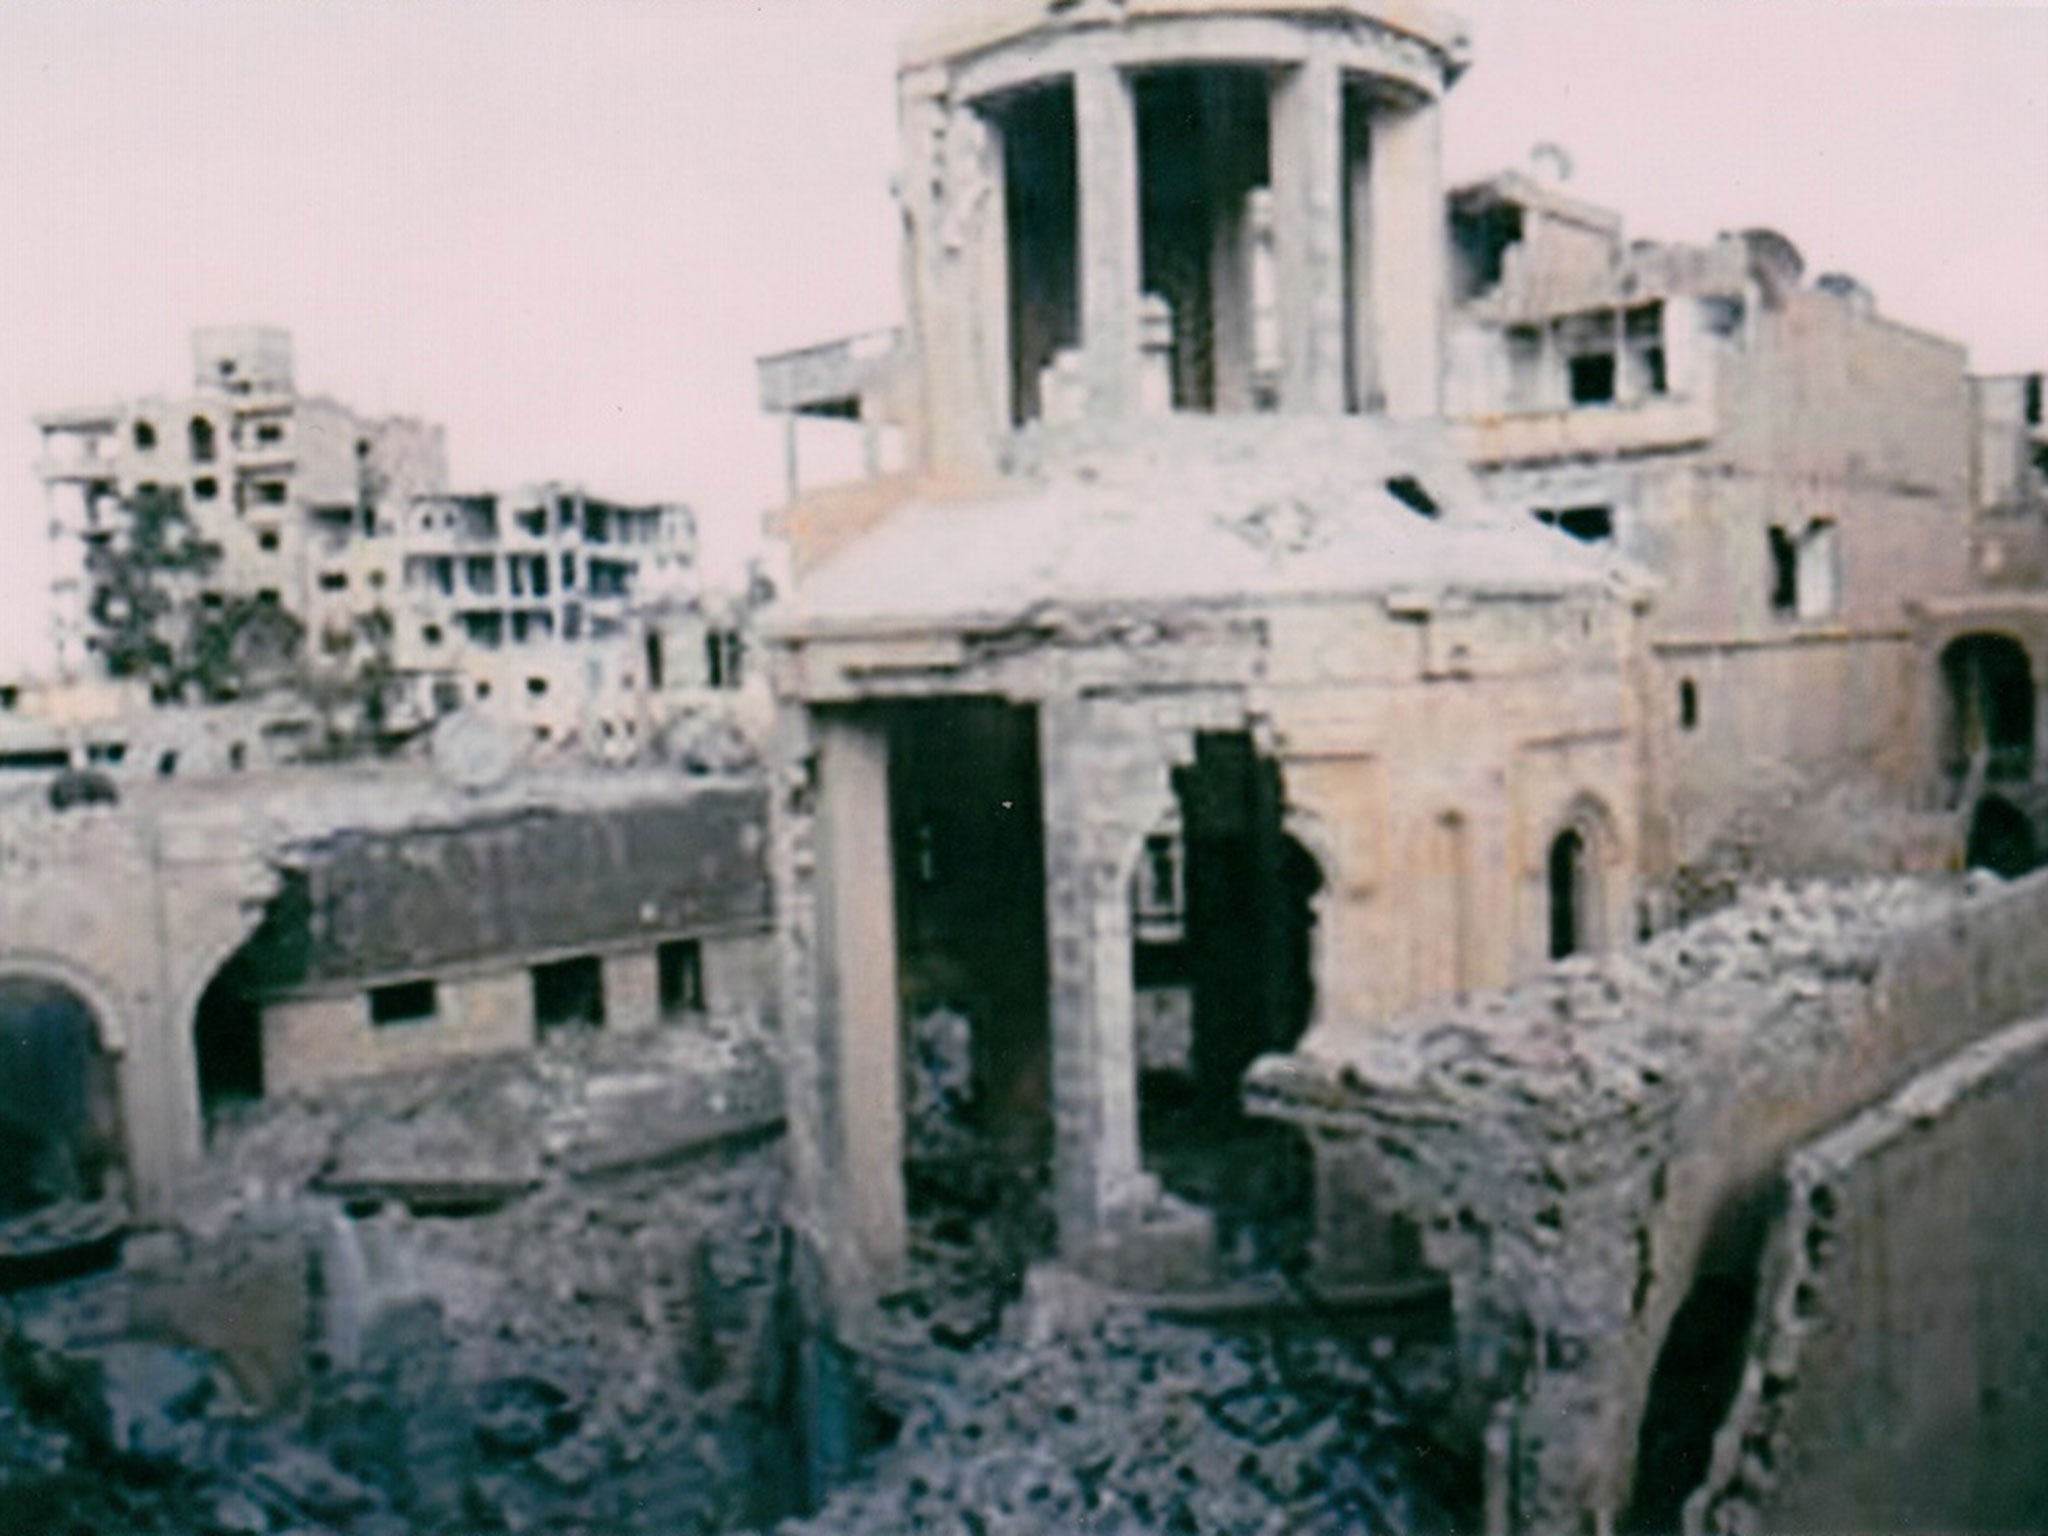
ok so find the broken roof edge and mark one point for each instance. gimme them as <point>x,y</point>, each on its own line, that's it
<point>1510,185</point>
<point>1400,598</point>
<point>945,35</point>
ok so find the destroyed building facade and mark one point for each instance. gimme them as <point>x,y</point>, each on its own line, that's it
<point>1184,593</point>
<point>1285,604</point>
<point>579,620</point>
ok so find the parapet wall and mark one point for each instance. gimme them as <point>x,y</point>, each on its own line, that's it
<point>1574,1150</point>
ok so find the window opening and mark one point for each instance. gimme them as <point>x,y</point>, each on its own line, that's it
<point>402,1002</point>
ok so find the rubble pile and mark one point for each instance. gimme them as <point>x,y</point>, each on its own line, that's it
<point>537,1293</point>
<point>1092,1419</point>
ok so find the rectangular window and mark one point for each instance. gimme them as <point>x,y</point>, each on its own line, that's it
<point>1784,572</point>
<point>404,1002</point>
<point>1592,378</point>
<point>569,993</point>
<point>1643,337</point>
<point>681,966</point>
<point>272,492</point>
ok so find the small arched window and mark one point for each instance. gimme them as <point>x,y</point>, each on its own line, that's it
<point>1568,903</point>
<point>199,438</point>
<point>1688,704</point>
<point>145,436</point>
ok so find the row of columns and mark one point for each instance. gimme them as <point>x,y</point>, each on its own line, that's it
<point>1359,245</point>
<point>844,999</point>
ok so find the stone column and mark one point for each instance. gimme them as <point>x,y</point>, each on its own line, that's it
<point>1106,151</point>
<point>859,1057</point>
<point>632,991</point>
<point>1409,258</point>
<point>1308,235</point>
<point>1098,1176</point>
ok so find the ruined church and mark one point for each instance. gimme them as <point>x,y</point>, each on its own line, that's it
<point>1290,608</point>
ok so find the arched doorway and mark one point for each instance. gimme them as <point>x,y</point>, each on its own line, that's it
<point>2001,839</point>
<point>1988,682</point>
<point>1222,926</point>
<point>1569,885</point>
<point>60,1135</point>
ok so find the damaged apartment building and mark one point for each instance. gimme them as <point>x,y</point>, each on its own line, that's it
<point>1285,603</point>
<point>575,619</point>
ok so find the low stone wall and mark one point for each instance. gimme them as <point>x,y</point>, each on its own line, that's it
<point>1570,1150</point>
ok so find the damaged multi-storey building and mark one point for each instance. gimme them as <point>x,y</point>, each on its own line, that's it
<point>579,621</point>
<point>1287,604</point>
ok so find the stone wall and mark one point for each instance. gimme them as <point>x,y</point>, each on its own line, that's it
<point>1896,1378</point>
<point>1574,1149</point>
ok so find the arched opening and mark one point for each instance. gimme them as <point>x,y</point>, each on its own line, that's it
<point>1570,894</point>
<point>2001,839</point>
<point>1223,920</point>
<point>200,440</point>
<point>1989,685</point>
<point>227,1035</point>
<point>1699,1368</point>
<point>1688,704</point>
<point>60,1134</point>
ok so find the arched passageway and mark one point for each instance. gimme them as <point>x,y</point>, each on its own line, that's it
<point>1223,921</point>
<point>2001,839</point>
<point>59,1109</point>
<point>1699,1368</point>
<point>1988,683</point>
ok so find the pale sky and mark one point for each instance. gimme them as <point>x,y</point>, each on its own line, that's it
<point>565,228</point>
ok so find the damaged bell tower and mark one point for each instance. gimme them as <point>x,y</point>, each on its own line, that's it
<point>1176,691</point>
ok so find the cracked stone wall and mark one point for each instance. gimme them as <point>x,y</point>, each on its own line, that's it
<point>1570,1148</point>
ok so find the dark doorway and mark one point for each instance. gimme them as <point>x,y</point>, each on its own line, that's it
<point>1568,894</point>
<point>1225,980</point>
<point>569,994</point>
<point>1699,1368</point>
<point>227,1035</point>
<point>968,851</point>
<point>1989,684</point>
<point>59,1115</point>
<point>2002,840</point>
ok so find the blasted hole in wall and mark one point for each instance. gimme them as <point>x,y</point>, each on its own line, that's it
<point>1988,688</point>
<point>1220,981</point>
<point>968,850</point>
<point>227,1037</point>
<point>2001,839</point>
<point>1204,139</point>
<point>1041,212</point>
<point>1699,1368</point>
<point>60,1132</point>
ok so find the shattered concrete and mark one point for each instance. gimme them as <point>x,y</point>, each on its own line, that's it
<point>1084,1417</point>
<point>549,1300</point>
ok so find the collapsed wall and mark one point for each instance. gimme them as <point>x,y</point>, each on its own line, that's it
<point>1583,1155</point>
